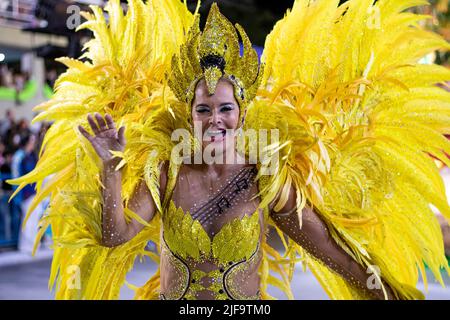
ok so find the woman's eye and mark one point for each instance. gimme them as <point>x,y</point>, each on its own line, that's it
<point>226,108</point>
<point>202,110</point>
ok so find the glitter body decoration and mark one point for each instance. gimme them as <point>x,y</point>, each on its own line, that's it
<point>357,117</point>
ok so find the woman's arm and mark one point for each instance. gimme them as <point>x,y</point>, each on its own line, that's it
<point>315,238</point>
<point>115,229</point>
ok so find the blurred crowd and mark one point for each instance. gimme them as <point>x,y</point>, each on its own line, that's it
<point>13,80</point>
<point>20,143</point>
<point>50,77</point>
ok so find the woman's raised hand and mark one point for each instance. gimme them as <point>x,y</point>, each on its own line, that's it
<point>105,137</point>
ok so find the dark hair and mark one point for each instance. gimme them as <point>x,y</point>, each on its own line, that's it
<point>8,152</point>
<point>213,60</point>
<point>24,141</point>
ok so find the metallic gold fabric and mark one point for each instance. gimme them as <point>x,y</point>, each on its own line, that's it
<point>234,250</point>
<point>185,237</point>
<point>213,54</point>
<point>179,282</point>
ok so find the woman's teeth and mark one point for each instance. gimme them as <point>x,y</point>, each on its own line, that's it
<point>215,133</point>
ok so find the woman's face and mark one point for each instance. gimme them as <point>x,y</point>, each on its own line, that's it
<point>216,113</point>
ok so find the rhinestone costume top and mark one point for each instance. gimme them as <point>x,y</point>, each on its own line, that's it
<point>232,254</point>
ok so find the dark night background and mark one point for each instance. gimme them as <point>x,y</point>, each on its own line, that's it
<point>257,17</point>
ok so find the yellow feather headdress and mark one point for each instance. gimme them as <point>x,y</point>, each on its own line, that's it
<point>214,54</point>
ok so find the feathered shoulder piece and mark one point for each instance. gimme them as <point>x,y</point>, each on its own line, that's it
<point>124,74</point>
<point>358,117</point>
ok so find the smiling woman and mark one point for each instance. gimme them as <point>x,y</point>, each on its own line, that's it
<point>217,113</point>
<point>348,195</point>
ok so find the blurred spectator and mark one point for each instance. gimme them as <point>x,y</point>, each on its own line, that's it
<point>51,77</point>
<point>2,153</point>
<point>19,81</point>
<point>14,79</point>
<point>445,174</point>
<point>16,203</point>
<point>19,85</point>
<point>19,150</point>
<point>17,134</point>
<point>7,123</point>
<point>6,77</point>
<point>29,231</point>
<point>6,191</point>
<point>27,163</point>
<point>445,227</point>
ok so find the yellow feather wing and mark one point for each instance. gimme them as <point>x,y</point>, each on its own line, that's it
<point>358,117</point>
<point>123,75</point>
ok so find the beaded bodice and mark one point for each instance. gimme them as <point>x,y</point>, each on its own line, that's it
<point>187,238</point>
<point>205,260</point>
